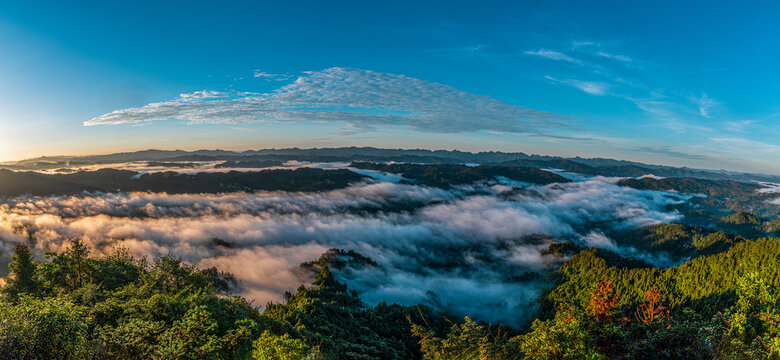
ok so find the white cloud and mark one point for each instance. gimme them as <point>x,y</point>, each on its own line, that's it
<point>672,113</point>
<point>739,126</point>
<point>201,95</point>
<point>614,57</point>
<point>742,145</point>
<point>552,54</point>
<point>705,104</point>
<point>577,44</point>
<point>272,77</point>
<point>433,246</point>
<point>361,99</point>
<point>590,87</point>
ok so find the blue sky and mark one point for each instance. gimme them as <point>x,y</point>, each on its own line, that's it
<point>678,83</point>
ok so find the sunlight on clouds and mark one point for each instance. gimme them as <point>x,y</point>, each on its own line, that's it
<point>360,99</point>
<point>448,245</point>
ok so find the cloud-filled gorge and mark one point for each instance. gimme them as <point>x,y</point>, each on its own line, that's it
<point>468,250</point>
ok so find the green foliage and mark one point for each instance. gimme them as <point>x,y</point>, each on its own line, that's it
<point>196,336</point>
<point>284,347</point>
<point>721,196</point>
<point>76,306</point>
<point>111,180</point>
<point>681,241</point>
<point>751,328</point>
<point>51,328</point>
<point>577,333</point>
<point>23,279</point>
<point>568,326</point>
<point>772,226</point>
<point>117,307</point>
<point>330,317</point>
<point>742,218</point>
<point>722,306</point>
<point>337,259</point>
<point>706,284</point>
<point>733,286</point>
<point>680,337</point>
<point>77,267</point>
<point>467,341</point>
<point>674,238</point>
<point>133,338</point>
<point>715,242</point>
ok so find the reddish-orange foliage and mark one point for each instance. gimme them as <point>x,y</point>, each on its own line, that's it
<point>603,301</point>
<point>652,309</point>
<point>565,309</point>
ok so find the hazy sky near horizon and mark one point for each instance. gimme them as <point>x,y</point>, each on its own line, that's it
<point>680,83</point>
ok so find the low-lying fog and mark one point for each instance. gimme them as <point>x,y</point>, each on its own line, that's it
<point>467,250</point>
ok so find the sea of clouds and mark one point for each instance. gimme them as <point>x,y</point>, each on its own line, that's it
<point>465,250</point>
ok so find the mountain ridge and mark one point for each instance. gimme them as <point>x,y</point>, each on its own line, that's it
<point>594,166</point>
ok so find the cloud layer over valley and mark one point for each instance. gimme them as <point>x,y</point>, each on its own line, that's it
<point>470,250</point>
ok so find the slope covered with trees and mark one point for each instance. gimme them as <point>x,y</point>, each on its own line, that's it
<point>722,306</point>
<point>717,196</point>
<point>73,306</point>
<point>111,180</point>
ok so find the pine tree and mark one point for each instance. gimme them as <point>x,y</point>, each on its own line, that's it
<point>79,253</point>
<point>23,277</point>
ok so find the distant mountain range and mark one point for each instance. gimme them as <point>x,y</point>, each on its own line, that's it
<point>587,166</point>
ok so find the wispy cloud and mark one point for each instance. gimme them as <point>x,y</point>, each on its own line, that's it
<point>738,126</point>
<point>671,112</point>
<point>705,104</point>
<point>614,57</point>
<point>684,127</point>
<point>272,77</point>
<point>742,145</point>
<point>552,54</point>
<point>360,99</point>
<point>677,110</point>
<point>576,44</point>
<point>590,87</point>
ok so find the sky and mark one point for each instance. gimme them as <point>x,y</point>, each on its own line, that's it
<point>689,83</point>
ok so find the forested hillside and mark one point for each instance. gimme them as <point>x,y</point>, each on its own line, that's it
<point>73,306</point>
<point>77,307</point>
<point>111,180</point>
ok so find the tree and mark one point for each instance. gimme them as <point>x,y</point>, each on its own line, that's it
<point>23,273</point>
<point>79,253</point>
<point>192,337</point>
<point>563,337</point>
<point>467,341</point>
<point>603,301</point>
<point>652,309</point>
<point>49,328</point>
<point>751,328</point>
<point>273,347</point>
